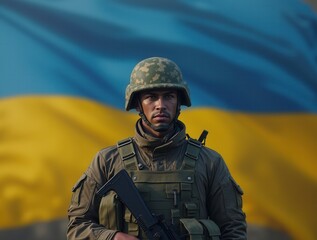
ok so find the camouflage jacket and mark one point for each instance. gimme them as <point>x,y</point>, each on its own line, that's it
<point>221,196</point>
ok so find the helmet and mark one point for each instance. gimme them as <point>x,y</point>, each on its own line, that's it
<point>154,73</point>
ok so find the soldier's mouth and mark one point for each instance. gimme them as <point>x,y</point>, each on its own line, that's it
<point>161,117</point>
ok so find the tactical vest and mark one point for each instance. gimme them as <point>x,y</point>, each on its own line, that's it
<point>172,194</point>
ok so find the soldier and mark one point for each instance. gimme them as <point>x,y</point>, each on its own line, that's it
<point>178,177</point>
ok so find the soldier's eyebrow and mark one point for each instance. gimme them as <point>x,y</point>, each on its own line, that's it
<point>162,92</point>
<point>158,92</point>
<point>172,91</point>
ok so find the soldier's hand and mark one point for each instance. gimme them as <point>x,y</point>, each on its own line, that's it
<point>124,236</point>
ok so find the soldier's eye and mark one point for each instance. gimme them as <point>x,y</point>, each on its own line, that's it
<point>169,96</point>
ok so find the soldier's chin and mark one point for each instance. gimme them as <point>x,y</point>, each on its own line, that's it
<point>161,127</point>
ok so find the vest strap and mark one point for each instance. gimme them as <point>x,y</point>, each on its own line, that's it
<point>191,154</point>
<point>127,153</point>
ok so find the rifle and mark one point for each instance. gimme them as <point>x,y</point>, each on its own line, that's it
<point>153,226</point>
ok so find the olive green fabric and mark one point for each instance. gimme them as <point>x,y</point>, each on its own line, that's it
<point>211,229</point>
<point>220,197</point>
<point>193,228</point>
<point>172,194</point>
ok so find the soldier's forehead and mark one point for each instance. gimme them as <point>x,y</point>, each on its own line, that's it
<point>159,91</point>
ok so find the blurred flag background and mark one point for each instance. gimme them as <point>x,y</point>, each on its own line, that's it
<point>251,66</point>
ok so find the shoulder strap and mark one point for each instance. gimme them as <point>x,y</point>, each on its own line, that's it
<point>127,153</point>
<point>191,154</point>
<point>193,149</point>
<point>128,156</point>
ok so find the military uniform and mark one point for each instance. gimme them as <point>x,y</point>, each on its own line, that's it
<point>178,177</point>
<point>219,195</point>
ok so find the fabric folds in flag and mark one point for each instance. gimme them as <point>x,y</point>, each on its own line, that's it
<point>252,72</point>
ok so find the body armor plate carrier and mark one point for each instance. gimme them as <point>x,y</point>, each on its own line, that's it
<point>172,194</point>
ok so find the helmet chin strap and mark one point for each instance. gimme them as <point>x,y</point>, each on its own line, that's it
<point>161,128</point>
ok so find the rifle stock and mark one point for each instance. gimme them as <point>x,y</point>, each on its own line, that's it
<point>152,225</point>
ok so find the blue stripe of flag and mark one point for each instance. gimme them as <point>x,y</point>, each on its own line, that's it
<point>258,56</point>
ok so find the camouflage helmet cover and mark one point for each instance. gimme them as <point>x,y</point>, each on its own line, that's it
<point>156,73</point>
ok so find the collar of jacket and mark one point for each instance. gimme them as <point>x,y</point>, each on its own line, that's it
<point>173,139</point>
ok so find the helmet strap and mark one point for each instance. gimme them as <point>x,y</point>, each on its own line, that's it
<point>158,128</point>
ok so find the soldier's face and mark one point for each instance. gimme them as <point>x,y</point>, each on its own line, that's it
<point>159,107</point>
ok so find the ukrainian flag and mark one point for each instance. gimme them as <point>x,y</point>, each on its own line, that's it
<point>251,66</point>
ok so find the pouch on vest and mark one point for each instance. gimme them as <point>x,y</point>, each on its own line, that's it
<point>203,229</point>
<point>111,211</point>
<point>192,229</point>
<point>130,224</point>
<point>211,229</point>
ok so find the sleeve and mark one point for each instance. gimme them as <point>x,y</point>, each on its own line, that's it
<point>83,210</point>
<point>225,202</point>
